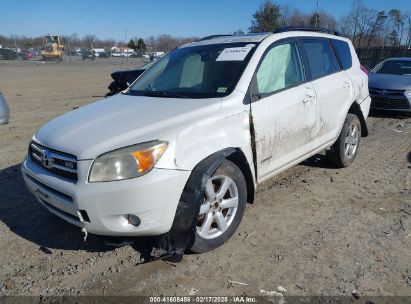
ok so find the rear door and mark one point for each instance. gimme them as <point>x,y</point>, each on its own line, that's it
<point>332,85</point>
<point>283,108</point>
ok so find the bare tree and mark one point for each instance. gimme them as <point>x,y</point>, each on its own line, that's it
<point>290,16</point>
<point>397,23</point>
<point>88,40</point>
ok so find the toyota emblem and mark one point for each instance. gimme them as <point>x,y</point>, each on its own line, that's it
<point>46,159</point>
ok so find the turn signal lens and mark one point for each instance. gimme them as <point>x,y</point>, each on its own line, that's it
<point>146,159</point>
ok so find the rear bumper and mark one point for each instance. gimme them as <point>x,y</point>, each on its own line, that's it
<point>365,107</point>
<point>102,208</point>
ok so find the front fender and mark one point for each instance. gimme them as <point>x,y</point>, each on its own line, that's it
<point>206,137</point>
<point>182,233</point>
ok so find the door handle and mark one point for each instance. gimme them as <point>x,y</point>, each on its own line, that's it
<point>309,95</point>
<point>308,99</point>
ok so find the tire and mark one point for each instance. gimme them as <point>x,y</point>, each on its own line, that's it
<point>345,149</point>
<point>211,212</point>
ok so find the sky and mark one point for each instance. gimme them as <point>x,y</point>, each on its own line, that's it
<point>180,18</point>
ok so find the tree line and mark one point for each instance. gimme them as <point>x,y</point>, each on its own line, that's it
<point>365,26</point>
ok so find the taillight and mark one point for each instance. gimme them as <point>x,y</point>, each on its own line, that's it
<point>364,70</point>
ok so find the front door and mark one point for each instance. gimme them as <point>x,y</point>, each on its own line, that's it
<point>284,112</point>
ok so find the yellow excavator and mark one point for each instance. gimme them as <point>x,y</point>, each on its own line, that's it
<point>52,48</point>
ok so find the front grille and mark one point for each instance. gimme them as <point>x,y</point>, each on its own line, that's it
<point>59,194</point>
<point>388,99</point>
<point>59,163</point>
<point>383,92</point>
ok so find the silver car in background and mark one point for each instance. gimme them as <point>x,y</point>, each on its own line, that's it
<point>390,85</point>
<point>4,110</point>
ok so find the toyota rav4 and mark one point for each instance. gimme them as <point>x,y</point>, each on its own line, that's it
<point>179,153</point>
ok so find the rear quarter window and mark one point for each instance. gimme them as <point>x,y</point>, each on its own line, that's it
<point>343,52</point>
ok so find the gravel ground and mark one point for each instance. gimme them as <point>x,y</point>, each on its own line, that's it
<point>313,230</point>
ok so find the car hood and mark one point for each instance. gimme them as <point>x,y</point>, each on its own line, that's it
<point>389,82</point>
<point>120,121</point>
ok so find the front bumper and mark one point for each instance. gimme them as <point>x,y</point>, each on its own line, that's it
<point>401,104</point>
<point>102,208</point>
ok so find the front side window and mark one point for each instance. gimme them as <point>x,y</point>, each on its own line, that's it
<point>203,71</point>
<point>279,69</point>
<point>321,60</point>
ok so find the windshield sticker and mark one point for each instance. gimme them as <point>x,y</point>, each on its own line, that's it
<point>221,90</point>
<point>234,54</point>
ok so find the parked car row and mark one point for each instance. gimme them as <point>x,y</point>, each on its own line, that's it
<point>10,54</point>
<point>88,54</point>
<point>101,53</point>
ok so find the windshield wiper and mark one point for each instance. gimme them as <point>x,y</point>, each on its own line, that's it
<point>164,94</point>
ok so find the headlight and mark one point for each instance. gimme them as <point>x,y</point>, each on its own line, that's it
<point>408,95</point>
<point>126,163</point>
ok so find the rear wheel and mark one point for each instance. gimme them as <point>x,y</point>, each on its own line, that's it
<point>345,149</point>
<point>222,208</point>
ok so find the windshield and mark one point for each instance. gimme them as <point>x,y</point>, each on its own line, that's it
<point>204,71</point>
<point>51,39</point>
<point>394,67</point>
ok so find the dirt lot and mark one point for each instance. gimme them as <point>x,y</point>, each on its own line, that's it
<point>314,230</point>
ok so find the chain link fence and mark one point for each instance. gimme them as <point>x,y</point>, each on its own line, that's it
<point>370,57</point>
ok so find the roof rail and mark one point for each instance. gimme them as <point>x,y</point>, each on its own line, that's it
<point>213,36</point>
<point>307,29</point>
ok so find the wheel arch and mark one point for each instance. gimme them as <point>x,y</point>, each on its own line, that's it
<point>356,110</point>
<point>238,158</point>
<point>182,232</point>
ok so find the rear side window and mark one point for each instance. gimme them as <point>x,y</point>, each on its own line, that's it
<point>343,52</point>
<point>321,60</point>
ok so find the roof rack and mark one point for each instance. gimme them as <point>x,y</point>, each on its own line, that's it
<point>306,29</point>
<point>213,36</point>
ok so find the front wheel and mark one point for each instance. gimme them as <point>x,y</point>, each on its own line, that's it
<point>222,208</point>
<point>345,149</point>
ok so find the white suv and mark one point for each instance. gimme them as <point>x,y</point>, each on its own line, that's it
<point>181,151</point>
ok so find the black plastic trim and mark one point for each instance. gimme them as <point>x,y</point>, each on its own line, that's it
<point>307,29</point>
